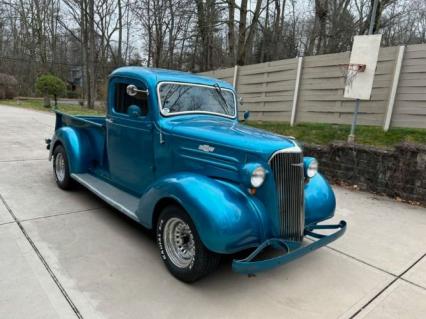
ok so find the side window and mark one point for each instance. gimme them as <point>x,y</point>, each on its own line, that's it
<point>123,100</point>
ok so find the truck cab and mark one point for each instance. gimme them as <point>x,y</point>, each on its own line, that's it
<point>172,154</point>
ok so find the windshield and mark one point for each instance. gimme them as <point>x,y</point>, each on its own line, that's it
<point>190,98</point>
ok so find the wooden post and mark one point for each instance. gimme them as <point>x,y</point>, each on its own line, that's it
<point>394,88</point>
<point>235,78</point>
<point>296,90</point>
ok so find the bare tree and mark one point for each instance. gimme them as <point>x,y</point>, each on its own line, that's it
<point>89,39</point>
<point>246,33</point>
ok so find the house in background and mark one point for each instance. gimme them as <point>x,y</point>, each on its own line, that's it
<point>74,82</point>
<point>75,78</point>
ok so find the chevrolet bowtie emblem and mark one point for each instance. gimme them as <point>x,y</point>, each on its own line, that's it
<point>206,148</point>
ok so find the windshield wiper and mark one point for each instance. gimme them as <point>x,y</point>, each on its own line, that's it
<point>219,92</point>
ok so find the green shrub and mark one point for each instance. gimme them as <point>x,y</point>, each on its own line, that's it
<point>50,85</point>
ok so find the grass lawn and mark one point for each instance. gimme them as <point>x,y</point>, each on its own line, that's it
<point>311,133</point>
<point>66,108</point>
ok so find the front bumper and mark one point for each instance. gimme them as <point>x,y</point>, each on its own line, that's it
<point>294,249</point>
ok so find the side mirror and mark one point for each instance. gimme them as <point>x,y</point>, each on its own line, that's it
<point>132,90</point>
<point>134,111</point>
<point>246,115</point>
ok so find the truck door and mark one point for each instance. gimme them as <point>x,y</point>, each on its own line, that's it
<point>129,137</point>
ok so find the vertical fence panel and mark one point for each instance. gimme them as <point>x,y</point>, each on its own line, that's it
<point>322,79</point>
<point>235,78</point>
<point>267,89</point>
<point>296,90</point>
<point>395,82</point>
<point>410,101</point>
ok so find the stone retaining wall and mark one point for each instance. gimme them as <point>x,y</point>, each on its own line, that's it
<point>399,172</point>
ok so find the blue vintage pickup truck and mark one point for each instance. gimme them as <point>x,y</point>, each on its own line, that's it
<point>172,155</point>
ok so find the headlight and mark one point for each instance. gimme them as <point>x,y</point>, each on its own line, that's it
<point>257,177</point>
<point>312,168</point>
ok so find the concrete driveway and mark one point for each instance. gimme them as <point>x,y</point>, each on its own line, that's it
<point>68,255</point>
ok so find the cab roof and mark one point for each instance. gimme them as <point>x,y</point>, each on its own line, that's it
<point>153,76</point>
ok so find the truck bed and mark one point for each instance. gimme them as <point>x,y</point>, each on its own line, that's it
<point>63,119</point>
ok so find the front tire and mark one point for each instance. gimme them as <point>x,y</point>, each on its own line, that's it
<point>61,168</point>
<point>181,249</point>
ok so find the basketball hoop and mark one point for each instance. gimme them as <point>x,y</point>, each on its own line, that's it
<point>350,72</point>
<point>365,50</point>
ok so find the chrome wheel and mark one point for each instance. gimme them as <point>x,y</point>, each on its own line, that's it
<point>179,242</point>
<point>60,167</point>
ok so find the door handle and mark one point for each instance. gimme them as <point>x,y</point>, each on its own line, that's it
<point>108,120</point>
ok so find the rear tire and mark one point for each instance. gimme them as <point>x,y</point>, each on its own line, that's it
<point>61,168</point>
<point>180,246</point>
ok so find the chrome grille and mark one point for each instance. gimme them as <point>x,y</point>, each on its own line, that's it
<point>289,183</point>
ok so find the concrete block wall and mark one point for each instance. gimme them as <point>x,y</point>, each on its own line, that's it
<point>398,172</point>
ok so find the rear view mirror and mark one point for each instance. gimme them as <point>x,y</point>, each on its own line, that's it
<point>132,90</point>
<point>246,115</point>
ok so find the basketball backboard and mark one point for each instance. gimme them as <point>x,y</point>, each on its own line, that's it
<point>365,51</point>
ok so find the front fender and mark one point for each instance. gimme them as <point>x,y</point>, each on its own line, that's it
<point>320,202</point>
<point>77,147</point>
<point>227,219</point>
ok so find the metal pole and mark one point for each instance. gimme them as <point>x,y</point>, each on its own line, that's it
<point>373,16</point>
<point>351,137</point>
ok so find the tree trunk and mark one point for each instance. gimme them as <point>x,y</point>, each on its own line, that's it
<point>252,29</point>
<point>84,48</point>
<point>120,34</point>
<point>321,11</point>
<point>149,29</point>
<point>91,61</point>
<point>241,56</point>
<point>202,27</point>
<point>194,54</point>
<point>282,15</point>
<point>171,44</point>
<point>245,40</point>
<point>265,38</point>
<point>276,32</point>
<point>231,31</point>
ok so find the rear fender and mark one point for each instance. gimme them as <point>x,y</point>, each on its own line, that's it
<point>227,219</point>
<point>77,146</point>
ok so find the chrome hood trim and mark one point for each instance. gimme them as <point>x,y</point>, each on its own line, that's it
<point>294,149</point>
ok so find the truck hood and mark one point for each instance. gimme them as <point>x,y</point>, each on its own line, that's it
<point>217,131</point>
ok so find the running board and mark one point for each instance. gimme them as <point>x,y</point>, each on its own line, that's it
<point>114,196</point>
